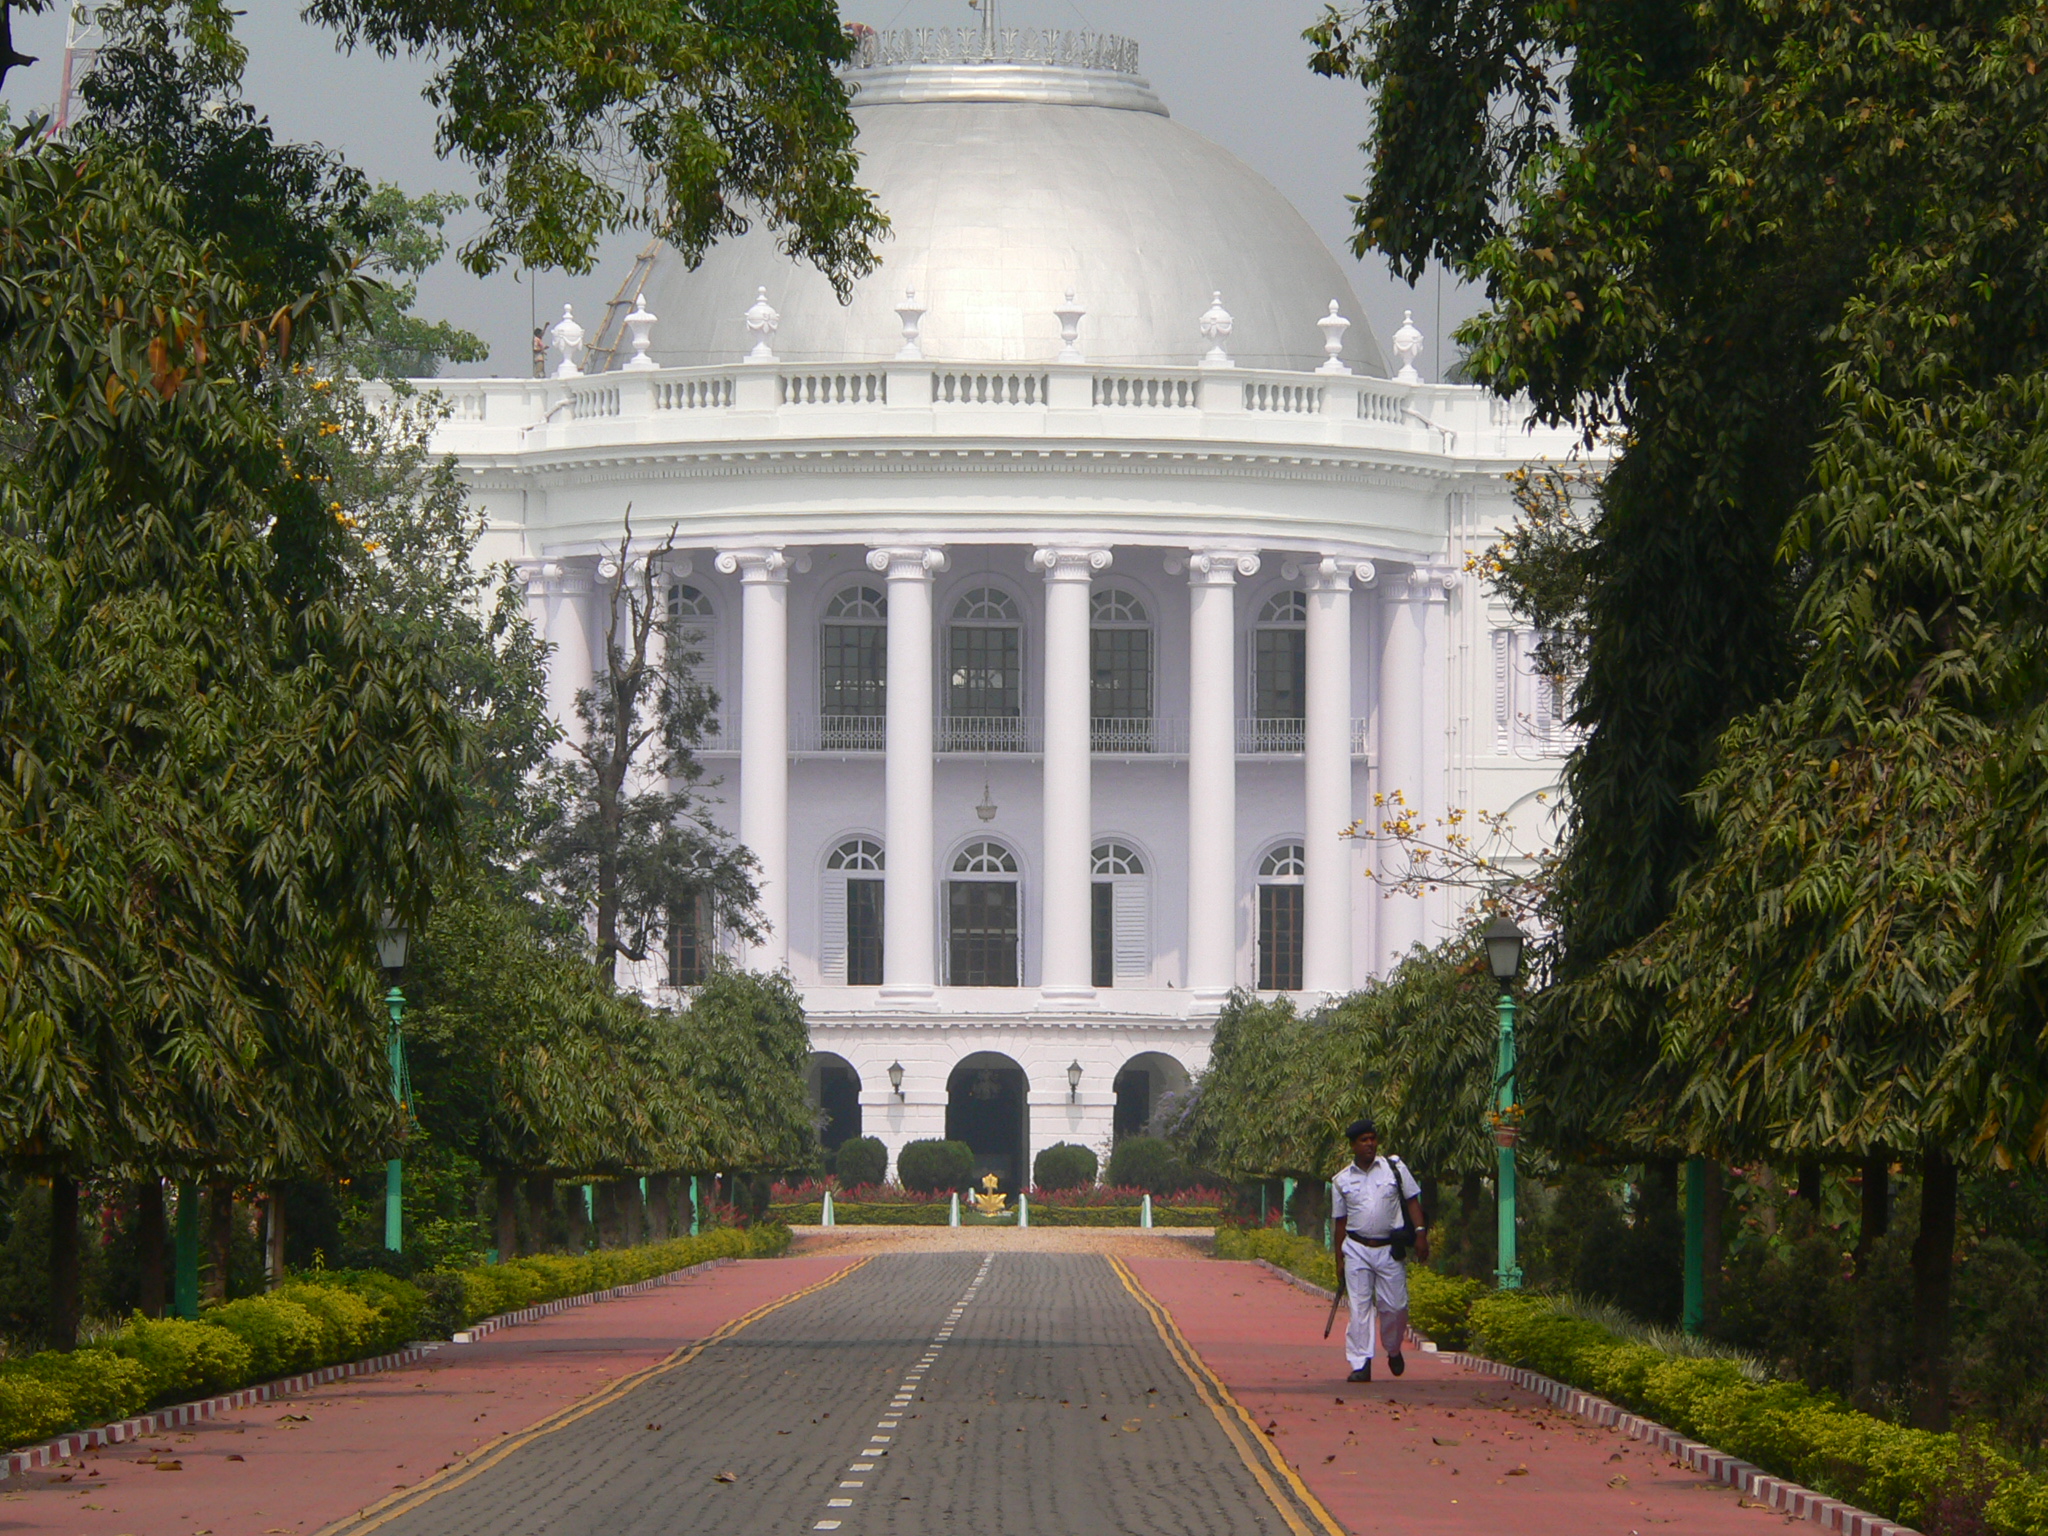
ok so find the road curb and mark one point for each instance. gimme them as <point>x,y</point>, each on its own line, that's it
<point>159,1420</point>
<point>1775,1493</point>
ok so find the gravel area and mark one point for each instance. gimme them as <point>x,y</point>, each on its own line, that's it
<point>1124,1242</point>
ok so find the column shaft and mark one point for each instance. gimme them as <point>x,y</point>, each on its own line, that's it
<point>1065,968</point>
<point>568,631</point>
<point>1402,602</point>
<point>1326,754</point>
<point>909,925</point>
<point>1212,772</point>
<point>764,738</point>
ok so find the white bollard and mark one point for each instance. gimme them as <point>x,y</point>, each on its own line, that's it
<point>825,1218</point>
<point>1145,1215</point>
<point>1023,1210</point>
<point>954,1219</point>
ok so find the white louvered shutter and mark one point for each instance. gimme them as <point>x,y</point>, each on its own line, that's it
<point>832,942</point>
<point>1131,934</point>
<point>1503,690</point>
<point>1542,696</point>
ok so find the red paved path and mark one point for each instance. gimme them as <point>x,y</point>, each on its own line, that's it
<point>1436,1452</point>
<point>267,1469</point>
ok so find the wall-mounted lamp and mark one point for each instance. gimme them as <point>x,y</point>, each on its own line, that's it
<point>1073,1082</point>
<point>896,1077</point>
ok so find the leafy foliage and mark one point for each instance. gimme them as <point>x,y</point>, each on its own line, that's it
<point>1063,1165</point>
<point>932,1165</point>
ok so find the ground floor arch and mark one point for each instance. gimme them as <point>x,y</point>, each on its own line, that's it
<point>835,1095</point>
<point>1142,1083</point>
<point>987,1107</point>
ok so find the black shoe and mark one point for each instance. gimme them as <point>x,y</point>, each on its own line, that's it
<point>1396,1364</point>
<point>1363,1373</point>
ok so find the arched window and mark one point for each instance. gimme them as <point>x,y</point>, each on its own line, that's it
<point>853,677</point>
<point>982,931</point>
<point>1121,917</point>
<point>1280,915</point>
<point>985,674</point>
<point>1280,673</point>
<point>852,949</point>
<point>692,941</point>
<point>1120,671</point>
<point>693,630</point>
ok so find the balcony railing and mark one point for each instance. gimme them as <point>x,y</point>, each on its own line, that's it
<point>1120,738</point>
<point>989,733</point>
<point>1270,734</point>
<point>971,735</point>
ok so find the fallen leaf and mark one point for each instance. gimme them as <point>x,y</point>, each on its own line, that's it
<point>170,1466</point>
<point>1518,1472</point>
<point>1328,1459</point>
<point>726,1477</point>
<point>1445,1440</point>
<point>237,1457</point>
<point>1617,1481</point>
<point>1132,1426</point>
<point>1436,1461</point>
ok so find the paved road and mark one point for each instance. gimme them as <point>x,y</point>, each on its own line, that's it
<point>916,1395</point>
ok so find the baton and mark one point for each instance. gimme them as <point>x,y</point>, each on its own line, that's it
<point>1331,1321</point>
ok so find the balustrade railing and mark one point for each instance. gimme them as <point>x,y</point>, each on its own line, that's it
<point>835,389</point>
<point>696,394</point>
<point>1008,45</point>
<point>838,733</point>
<point>989,388</point>
<point>594,404</point>
<point>1256,734</point>
<point>1148,390</point>
<point>989,733</point>
<point>1284,399</point>
<point>969,735</point>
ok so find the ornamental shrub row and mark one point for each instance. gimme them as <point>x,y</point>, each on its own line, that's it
<point>320,1318</point>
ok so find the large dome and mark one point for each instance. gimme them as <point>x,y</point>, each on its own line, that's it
<point>1009,183</point>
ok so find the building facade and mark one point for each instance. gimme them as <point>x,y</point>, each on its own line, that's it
<point>1071,593</point>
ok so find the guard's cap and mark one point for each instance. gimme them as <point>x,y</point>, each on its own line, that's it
<point>1362,1126</point>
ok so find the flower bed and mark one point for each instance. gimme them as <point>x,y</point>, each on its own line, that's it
<point>324,1317</point>
<point>1785,1428</point>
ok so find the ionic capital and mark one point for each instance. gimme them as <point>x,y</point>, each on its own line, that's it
<point>1069,564</point>
<point>1329,573</point>
<point>758,565</point>
<point>1214,567</point>
<point>1422,584</point>
<point>913,562</point>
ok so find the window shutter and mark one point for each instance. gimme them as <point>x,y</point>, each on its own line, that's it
<point>832,942</point>
<point>1543,696</point>
<point>1503,690</point>
<point>1132,933</point>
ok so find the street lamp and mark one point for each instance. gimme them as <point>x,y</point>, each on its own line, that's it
<point>1074,1083</point>
<point>896,1077</point>
<point>392,940</point>
<point>1503,942</point>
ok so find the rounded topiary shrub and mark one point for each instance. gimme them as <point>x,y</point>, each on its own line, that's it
<point>1148,1163</point>
<point>860,1160</point>
<point>1064,1166</point>
<point>931,1166</point>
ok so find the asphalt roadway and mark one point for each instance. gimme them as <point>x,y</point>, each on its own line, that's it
<point>912,1394</point>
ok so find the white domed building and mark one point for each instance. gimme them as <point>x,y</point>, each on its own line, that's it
<point>1070,592</point>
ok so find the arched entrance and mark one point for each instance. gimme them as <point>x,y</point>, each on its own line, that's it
<point>985,1107</point>
<point>1141,1083</point>
<point>835,1095</point>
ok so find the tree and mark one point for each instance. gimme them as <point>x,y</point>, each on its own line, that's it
<point>630,840</point>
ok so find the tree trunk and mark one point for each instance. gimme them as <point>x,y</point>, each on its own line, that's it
<point>1877,1203</point>
<point>63,1261</point>
<point>658,1208</point>
<point>1877,1220</point>
<point>1933,1273</point>
<point>273,1237</point>
<point>1717,1209</point>
<point>220,1239</point>
<point>580,1202</point>
<point>686,1208</point>
<point>151,1238</point>
<point>540,1213</point>
<point>1809,1181</point>
<point>604,1200</point>
<point>507,1187</point>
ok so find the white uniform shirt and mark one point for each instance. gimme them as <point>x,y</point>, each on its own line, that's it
<point>1369,1200</point>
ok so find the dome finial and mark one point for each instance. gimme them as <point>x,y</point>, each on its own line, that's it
<point>1069,316</point>
<point>1333,326</point>
<point>762,320</point>
<point>1215,327</point>
<point>641,324</point>
<point>1407,347</point>
<point>911,313</point>
<point>568,341</point>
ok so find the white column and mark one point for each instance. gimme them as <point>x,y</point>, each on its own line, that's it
<point>764,737</point>
<point>1403,601</point>
<point>909,926</point>
<point>1065,969</point>
<point>1326,764</point>
<point>1212,771</point>
<point>568,632</point>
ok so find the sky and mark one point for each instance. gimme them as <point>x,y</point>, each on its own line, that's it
<point>1235,72</point>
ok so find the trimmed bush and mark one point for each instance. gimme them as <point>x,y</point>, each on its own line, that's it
<point>399,1305</point>
<point>935,1165</point>
<point>860,1160</point>
<point>283,1337</point>
<point>1147,1162</point>
<point>495,1288</point>
<point>1063,1165</point>
<point>183,1359</point>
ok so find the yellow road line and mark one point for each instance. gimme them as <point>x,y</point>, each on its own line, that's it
<point>481,1460</point>
<point>1242,1430</point>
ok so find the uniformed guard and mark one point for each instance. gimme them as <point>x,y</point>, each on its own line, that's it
<point>1375,1212</point>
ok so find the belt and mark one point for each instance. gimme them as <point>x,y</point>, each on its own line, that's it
<point>1367,1242</point>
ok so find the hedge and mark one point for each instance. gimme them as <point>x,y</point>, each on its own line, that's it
<point>320,1318</point>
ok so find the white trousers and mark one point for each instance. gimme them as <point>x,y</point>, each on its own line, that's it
<point>1376,1284</point>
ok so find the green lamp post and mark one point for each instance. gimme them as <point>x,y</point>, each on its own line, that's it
<point>1503,942</point>
<point>391,947</point>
